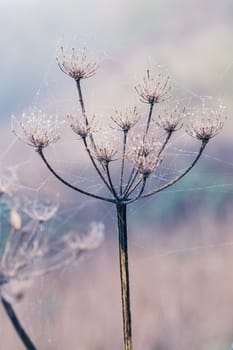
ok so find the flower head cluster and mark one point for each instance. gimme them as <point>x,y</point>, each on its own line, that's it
<point>29,253</point>
<point>105,151</point>
<point>126,120</point>
<point>144,156</point>
<point>80,127</point>
<point>76,65</point>
<point>153,90</point>
<point>206,123</point>
<point>40,210</point>
<point>8,182</point>
<point>37,129</point>
<point>171,120</point>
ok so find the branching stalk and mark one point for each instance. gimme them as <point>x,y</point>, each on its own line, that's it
<point>110,181</point>
<point>149,120</point>
<point>123,161</point>
<point>124,274</point>
<point>17,325</point>
<point>95,165</point>
<point>179,177</point>
<point>40,151</point>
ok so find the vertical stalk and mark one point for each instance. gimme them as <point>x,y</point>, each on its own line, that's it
<point>124,274</point>
<point>17,326</point>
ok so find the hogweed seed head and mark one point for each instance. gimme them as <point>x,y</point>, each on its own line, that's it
<point>8,182</point>
<point>80,127</point>
<point>40,210</point>
<point>89,241</point>
<point>76,64</point>
<point>153,90</point>
<point>144,156</point>
<point>126,120</point>
<point>27,254</point>
<point>171,120</point>
<point>206,123</point>
<point>37,129</point>
<point>105,151</point>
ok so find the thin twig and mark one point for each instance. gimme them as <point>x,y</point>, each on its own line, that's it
<point>169,134</point>
<point>40,151</point>
<point>110,181</point>
<point>17,325</point>
<point>179,177</point>
<point>123,161</point>
<point>95,165</point>
<point>148,120</point>
<point>81,101</point>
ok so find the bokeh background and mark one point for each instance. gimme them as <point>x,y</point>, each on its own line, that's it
<point>181,241</point>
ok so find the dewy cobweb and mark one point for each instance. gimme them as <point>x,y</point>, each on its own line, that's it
<point>136,153</point>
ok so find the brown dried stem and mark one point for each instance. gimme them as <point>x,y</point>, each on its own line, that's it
<point>17,325</point>
<point>40,151</point>
<point>123,161</point>
<point>179,177</point>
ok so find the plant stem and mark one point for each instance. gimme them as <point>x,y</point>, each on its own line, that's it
<point>124,274</point>
<point>17,326</point>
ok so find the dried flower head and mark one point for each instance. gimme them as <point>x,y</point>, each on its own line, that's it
<point>206,123</point>
<point>89,241</point>
<point>40,210</point>
<point>29,253</point>
<point>144,155</point>
<point>171,120</point>
<point>8,182</point>
<point>153,90</point>
<point>126,120</point>
<point>76,64</point>
<point>105,151</point>
<point>80,127</point>
<point>37,129</point>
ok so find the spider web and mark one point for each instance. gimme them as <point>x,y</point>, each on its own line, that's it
<point>74,207</point>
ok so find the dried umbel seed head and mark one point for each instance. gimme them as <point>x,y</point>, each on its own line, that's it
<point>171,120</point>
<point>80,127</point>
<point>144,156</point>
<point>89,241</point>
<point>37,129</point>
<point>40,210</point>
<point>28,253</point>
<point>105,151</point>
<point>206,123</point>
<point>8,182</point>
<point>153,90</point>
<point>126,120</point>
<point>76,64</point>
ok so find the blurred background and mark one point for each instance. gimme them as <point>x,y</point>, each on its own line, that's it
<point>181,241</point>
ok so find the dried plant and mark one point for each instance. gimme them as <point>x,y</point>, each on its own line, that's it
<point>138,156</point>
<point>28,251</point>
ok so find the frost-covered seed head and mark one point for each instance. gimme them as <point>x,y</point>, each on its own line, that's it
<point>144,155</point>
<point>206,123</point>
<point>153,90</point>
<point>126,120</point>
<point>28,253</point>
<point>171,120</point>
<point>40,210</point>
<point>105,151</point>
<point>8,182</point>
<point>76,64</point>
<point>80,127</point>
<point>37,129</point>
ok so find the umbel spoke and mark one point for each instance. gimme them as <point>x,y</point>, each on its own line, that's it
<point>17,325</point>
